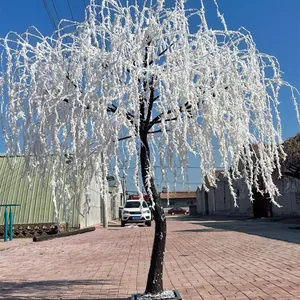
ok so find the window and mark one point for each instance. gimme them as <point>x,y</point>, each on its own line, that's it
<point>132,204</point>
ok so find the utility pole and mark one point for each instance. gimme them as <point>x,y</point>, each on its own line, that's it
<point>104,195</point>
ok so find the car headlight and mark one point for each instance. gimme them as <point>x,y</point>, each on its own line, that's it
<point>147,211</point>
<point>126,212</point>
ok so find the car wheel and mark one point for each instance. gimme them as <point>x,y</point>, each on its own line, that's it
<point>148,223</point>
<point>123,224</point>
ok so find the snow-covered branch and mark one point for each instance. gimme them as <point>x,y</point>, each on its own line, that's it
<point>128,70</point>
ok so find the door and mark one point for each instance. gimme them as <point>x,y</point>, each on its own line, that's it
<point>260,205</point>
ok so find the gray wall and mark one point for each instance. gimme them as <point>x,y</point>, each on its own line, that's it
<point>220,201</point>
<point>94,214</point>
<point>290,197</point>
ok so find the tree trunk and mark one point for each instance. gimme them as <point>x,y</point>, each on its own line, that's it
<point>155,275</point>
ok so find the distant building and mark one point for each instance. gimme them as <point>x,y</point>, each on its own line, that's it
<point>219,200</point>
<point>178,198</point>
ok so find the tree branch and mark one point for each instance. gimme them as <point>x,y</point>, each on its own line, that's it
<point>149,132</point>
<point>112,109</point>
<point>187,105</point>
<point>157,119</point>
<point>163,52</point>
<point>74,84</point>
<point>124,138</point>
<point>156,131</point>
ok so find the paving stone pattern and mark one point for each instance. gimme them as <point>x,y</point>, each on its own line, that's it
<point>204,260</point>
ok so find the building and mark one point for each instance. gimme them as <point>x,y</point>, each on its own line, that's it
<point>289,188</point>
<point>219,200</point>
<point>178,198</point>
<point>94,213</point>
<point>36,200</point>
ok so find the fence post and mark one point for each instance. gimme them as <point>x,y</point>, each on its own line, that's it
<point>10,224</point>
<point>5,224</point>
<point>9,216</point>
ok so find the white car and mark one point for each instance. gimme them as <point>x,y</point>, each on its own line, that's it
<point>136,211</point>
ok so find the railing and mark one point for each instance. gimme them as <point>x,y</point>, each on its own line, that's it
<point>8,216</point>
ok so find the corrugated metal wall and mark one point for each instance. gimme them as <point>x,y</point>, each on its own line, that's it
<point>35,198</point>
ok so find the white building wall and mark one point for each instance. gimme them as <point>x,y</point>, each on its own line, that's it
<point>94,213</point>
<point>115,200</point>
<point>91,215</point>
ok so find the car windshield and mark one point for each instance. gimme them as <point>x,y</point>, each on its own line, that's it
<point>132,204</point>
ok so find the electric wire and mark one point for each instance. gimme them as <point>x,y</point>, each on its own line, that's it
<point>70,10</point>
<point>55,10</point>
<point>50,15</point>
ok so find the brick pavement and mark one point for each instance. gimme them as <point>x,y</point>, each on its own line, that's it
<point>14,243</point>
<point>204,260</point>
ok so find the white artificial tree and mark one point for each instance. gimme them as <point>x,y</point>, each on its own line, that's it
<point>133,80</point>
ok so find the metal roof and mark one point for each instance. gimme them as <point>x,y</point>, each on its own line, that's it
<point>35,197</point>
<point>178,195</point>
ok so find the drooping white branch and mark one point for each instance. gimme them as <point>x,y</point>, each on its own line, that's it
<point>125,65</point>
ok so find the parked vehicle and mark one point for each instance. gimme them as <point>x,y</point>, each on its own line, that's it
<point>178,211</point>
<point>145,197</point>
<point>136,211</point>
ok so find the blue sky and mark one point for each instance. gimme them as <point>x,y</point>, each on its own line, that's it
<point>274,24</point>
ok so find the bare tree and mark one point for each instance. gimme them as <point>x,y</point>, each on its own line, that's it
<point>111,83</point>
<point>291,165</point>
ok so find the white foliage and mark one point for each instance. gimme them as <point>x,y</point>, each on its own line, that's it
<point>213,86</point>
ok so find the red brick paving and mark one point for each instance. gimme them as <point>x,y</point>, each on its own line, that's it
<point>14,243</point>
<point>201,262</point>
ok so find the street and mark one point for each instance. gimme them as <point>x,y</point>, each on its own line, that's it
<point>205,259</point>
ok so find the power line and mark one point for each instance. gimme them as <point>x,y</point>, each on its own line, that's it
<point>70,10</point>
<point>55,10</point>
<point>49,15</point>
<point>178,167</point>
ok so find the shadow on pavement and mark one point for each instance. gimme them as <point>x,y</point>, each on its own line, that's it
<point>114,225</point>
<point>60,289</point>
<point>268,228</point>
<point>62,298</point>
<point>203,230</point>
